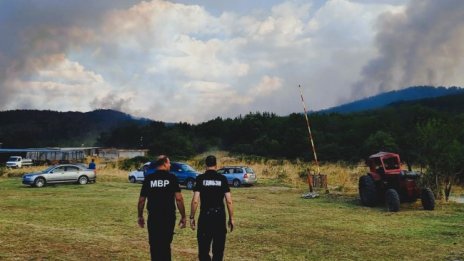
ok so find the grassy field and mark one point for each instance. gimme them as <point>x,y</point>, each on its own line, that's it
<point>98,222</point>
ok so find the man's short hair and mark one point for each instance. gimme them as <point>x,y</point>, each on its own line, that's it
<point>210,161</point>
<point>160,161</point>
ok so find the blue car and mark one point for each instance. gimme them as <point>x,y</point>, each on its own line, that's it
<point>185,174</point>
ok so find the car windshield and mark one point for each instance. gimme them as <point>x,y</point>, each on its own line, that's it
<point>249,170</point>
<point>48,169</point>
<point>186,167</point>
<point>13,158</point>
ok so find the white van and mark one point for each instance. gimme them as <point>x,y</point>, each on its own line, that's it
<point>18,162</point>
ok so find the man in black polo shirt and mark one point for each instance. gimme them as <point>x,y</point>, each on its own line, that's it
<point>211,188</point>
<point>160,188</point>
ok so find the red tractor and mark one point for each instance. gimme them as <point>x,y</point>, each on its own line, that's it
<point>387,182</point>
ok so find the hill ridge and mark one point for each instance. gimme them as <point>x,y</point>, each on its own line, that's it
<point>381,100</point>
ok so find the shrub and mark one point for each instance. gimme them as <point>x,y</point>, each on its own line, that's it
<point>133,163</point>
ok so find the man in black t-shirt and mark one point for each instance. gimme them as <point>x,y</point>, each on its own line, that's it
<point>161,188</point>
<point>211,188</point>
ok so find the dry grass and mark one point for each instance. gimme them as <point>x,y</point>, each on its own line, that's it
<point>341,177</point>
<point>98,221</point>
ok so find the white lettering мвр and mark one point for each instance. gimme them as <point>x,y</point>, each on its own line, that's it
<point>159,183</point>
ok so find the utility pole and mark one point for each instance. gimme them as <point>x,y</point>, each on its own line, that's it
<point>318,180</point>
<point>309,131</point>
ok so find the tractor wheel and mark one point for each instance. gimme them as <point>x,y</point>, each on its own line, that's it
<point>392,200</point>
<point>428,199</point>
<point>367,191</point>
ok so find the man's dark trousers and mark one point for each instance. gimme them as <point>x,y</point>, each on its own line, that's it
<point>160,234</point>
<point>211,228</point>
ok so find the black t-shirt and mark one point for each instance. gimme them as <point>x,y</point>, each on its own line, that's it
<point>212,187</point>
<point>159,188</point>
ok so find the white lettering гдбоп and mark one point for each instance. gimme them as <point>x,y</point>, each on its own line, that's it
<point>212,183</point>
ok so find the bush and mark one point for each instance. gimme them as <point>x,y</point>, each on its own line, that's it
<point>2,171</point>
<point>133,163</point>
<point>282,175</point>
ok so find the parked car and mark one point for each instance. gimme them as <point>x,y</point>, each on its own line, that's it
<point>138,175</point>
<point>185,174</point>
<point>238,175</point>
<point>64,173</point>
<point>18,162</point>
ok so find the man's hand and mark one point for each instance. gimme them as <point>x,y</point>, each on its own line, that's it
<point>231,224</point>
<point>141,222</point>
<point>192,223</point>
<point>183,222</point>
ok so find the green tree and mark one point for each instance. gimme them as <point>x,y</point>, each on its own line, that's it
<point>442,153</point>
<point>380,141</point>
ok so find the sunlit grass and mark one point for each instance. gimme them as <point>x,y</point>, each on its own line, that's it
<point>98,221</point>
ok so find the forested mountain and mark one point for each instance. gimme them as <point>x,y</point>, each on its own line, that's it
<point>34,128</point>
<point>384,99</point>
<point>400,127</point>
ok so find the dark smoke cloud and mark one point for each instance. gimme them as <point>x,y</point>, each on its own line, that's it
<point>421,46</point>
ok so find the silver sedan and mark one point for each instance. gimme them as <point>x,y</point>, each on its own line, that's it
<point>65,173</point>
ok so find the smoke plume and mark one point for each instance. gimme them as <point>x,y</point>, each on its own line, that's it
<point>421,46</point>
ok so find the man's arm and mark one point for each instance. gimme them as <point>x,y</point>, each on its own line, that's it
<point>140,207</point>
<point>181,207</point>
<point>193,208</point>
<point>230,209</point>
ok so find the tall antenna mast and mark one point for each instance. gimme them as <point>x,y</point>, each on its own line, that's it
<point>309,131</point>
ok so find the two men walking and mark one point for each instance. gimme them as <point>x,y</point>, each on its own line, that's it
<point>162,188</point>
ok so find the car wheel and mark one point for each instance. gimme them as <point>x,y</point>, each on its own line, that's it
<point>367,191</point>
<point>236,183</point>
<point>392,200</point>
<point>190,184</point>
<point>39,182</point>
<point>83,180</point>
<point>132,179</point>
<point>428,199</point>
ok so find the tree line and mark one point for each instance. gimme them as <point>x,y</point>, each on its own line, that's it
<point>428,133</point>
<point>402,128</point>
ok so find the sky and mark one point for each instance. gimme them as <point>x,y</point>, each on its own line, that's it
<point>195,60</point>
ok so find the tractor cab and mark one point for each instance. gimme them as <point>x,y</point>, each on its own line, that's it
<point>384,163</point>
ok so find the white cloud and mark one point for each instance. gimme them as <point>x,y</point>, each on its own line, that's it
<point>267,86</point>
<point>61,83</point>
<point>202,60</point>
<point>187,62</point>
<point>69,72</point>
